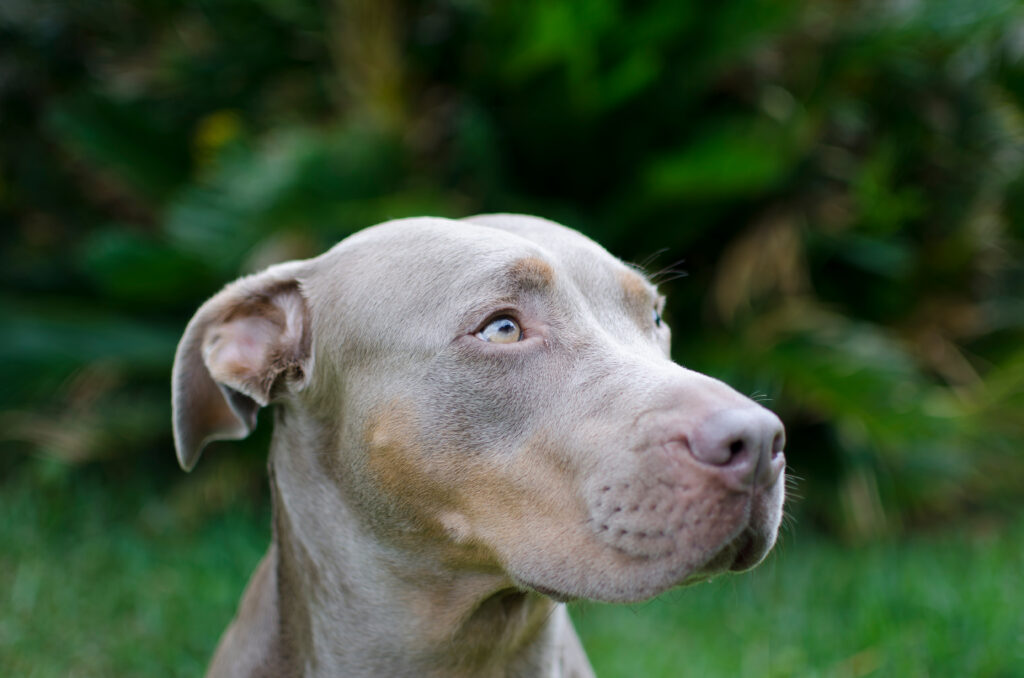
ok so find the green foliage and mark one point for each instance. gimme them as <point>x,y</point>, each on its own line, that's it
<point>842,182</point>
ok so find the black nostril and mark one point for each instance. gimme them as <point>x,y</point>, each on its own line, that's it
<point>738,440</point>
<point>744,443</point>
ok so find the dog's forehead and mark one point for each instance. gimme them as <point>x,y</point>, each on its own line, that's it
<point>431,260</point>
<point>403,290</point>
<point>605,285</point>
<point>575,252</point>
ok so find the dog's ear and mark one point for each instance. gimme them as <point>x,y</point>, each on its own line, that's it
<point>246,345</point>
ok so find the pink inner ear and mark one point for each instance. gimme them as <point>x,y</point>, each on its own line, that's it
<point>237,353</point>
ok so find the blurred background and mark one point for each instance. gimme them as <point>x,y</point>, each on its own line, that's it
<point>831,192</point>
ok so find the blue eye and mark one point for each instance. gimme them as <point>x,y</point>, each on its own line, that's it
<point>656,317</point>
<point>503,330</point>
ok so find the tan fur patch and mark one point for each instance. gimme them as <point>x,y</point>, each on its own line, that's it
<point>532,273</point>
<point>422,487</point>
<point>635,289</point>
<point>480,504</point>
<point>524,501</point>
<point>397,464</point>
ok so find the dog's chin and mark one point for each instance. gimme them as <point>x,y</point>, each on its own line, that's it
<point>653,577</point>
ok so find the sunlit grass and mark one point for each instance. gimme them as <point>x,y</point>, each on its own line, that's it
<point>102,579</point>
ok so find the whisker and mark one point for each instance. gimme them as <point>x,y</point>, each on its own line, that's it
<point>670,272</point>
<point>649,259</point>
<point>671,278</point>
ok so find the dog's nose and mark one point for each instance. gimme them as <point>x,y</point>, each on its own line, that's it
<point>744,443</point>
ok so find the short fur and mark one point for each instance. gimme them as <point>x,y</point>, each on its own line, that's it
<point>437,497</point>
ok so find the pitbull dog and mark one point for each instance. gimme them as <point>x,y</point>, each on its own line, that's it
<point>475,422</point>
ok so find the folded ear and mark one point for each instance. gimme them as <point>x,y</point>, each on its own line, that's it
<point>245,346</point>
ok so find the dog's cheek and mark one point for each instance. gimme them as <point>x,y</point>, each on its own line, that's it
<point>526,503</point>
<point>482,403</point>
<point>416,487</point>
<point>404,477</point>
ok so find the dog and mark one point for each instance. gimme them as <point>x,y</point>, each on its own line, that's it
<point>476,421</point>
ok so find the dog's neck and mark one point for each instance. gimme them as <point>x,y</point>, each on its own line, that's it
<point>360,605</point>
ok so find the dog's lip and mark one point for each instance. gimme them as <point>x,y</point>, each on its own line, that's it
<point>740,554</point>
<point>750,552</point>
<point>721,561</point>
<point>743,550</point>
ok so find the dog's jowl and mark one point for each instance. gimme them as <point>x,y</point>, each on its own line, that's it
<point>475,421</point>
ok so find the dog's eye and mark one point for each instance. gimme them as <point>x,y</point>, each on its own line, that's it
<point>656,317</point>
<point>503,330</point>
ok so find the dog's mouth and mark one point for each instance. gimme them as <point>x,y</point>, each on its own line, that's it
<point>750,552</point>
<point>739,555</point>
<point>740,539</point>
<point>742,553</point>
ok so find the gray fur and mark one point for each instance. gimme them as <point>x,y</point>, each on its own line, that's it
<point>435,496</point>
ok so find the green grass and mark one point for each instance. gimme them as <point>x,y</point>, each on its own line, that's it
<point>102,577</point>
<point>942,605</point>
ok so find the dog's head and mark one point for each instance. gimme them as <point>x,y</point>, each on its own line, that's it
<point>501,389</point>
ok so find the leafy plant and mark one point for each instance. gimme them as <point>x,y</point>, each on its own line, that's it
<point>841,181</point>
